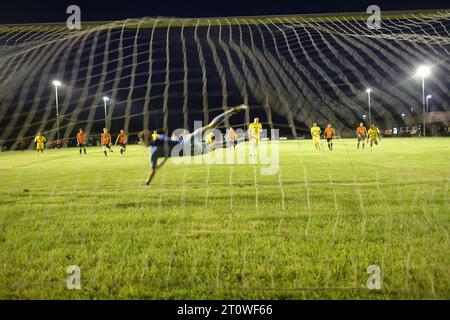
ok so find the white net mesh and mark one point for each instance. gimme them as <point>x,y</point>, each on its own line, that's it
<point>163,73</point>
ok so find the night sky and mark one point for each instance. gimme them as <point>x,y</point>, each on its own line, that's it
<point>20,11</point>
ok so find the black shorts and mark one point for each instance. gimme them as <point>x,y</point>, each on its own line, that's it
<point>82,145</point>
<point>123,145</point>
<point>361,138</point>
<point>329,139</point>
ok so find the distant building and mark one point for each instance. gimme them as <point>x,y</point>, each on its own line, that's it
<point>436,122</point>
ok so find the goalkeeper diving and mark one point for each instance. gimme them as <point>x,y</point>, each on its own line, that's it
<point>163,145</point>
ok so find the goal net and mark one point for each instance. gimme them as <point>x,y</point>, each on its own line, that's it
<point>164,73</point>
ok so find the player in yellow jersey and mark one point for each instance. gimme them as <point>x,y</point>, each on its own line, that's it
<point>315,133</point>
<point>254,133</point>
<point>155,135</point>
<point>373,136</point>
<point>40,141</point>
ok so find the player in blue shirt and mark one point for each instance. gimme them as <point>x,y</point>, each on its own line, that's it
<point>164,147</point>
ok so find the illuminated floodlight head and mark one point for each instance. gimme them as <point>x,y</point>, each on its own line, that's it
<point>105,99</point>
<point>364,116</point>
<point>403,115</point>
<point>423,71</point>
<point>56,83</point>
<point>429,96</point>
<point>369,90</point>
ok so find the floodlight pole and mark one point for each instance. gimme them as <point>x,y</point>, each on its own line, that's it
<point>104,100</point>
<point>423,104</point>
<point>57,110</point>
<point>368,98</point>
<point>423,72</point>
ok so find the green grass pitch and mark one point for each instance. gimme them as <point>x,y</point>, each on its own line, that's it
<point>226,231</point>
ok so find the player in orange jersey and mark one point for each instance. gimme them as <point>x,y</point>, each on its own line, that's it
<point>329,134</point>
<point>81,140</point>
<point>361,132</point>
<point>122,140</point>
<point>106,141</point>
<point>232,136</point>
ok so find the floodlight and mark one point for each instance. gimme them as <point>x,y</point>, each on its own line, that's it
<point>423,71</point>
